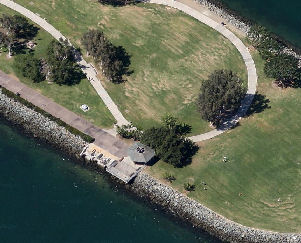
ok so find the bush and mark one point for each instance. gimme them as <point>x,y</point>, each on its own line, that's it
<point>189,187</point>
<point>221,94</point>
<point>129,132</point>
<point>169,177</point>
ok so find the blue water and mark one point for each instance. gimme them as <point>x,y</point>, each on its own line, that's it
<point>280,16</point>
<point>45,197</point>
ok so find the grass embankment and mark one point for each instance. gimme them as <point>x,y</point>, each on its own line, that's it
<point>260,184</point>
<point>171,53</point>
<point>71,97</point>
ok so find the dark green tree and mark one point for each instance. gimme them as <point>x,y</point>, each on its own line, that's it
<point>284,68</point>
<point>61,65</point>
<point>16,30</point>
<point>29,67</point>
<point>220,95</point>
<point>170,146</point>
<point>113,60</point>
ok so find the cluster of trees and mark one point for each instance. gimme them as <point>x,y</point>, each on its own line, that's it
<point>170,143</point>
<point>279,65</point>
<point>220,95</point>
<point>59,65</point>
<point>113,60</point>
<point>168,140</point>
<point>15,31</point>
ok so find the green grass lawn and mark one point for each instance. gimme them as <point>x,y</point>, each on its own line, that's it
<point>260,185</point>
<point>170,52</point>
<point>69,96</point>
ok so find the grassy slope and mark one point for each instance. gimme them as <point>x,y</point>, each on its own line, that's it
<point>171,54</point>
<point>69,96</point>
<point>264,165</point>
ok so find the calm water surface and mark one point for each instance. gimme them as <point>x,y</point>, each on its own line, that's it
<point>46,198</point>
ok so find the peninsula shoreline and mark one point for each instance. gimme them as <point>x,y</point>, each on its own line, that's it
<point>144,185</point>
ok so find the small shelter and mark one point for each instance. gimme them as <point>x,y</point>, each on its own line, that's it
<point>140,153</point>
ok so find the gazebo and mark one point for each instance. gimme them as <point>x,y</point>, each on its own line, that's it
<point>140,153</point>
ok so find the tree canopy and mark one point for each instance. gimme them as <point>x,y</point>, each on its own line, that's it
<point>30,67</point>
<point>14,31</point>
<point>113,60</point>
<point>220,95</point>
<point>170,143</point>
<point>60,64</point>
<point>284,68</point>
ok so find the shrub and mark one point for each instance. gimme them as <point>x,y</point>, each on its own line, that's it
<point>189,187</point>
<point>129,132</point>
<point>169,177</point>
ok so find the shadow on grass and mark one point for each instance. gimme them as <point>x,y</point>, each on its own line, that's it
<point>259,104</point>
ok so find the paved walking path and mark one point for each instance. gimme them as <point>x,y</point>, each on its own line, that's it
<point>252,76</point>
<point>102,139</point>
<point>191,10</point>
<point>87,68</point>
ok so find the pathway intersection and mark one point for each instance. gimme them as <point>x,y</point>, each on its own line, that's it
<point>195,13</point>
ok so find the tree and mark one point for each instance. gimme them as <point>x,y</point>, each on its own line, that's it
<point>113,60</point>
<point>30,67</point>
<point>170,144</point>
<point>284,68</point>
<point>61,65</point>
<point>220,95</point>
<point>15,30</point>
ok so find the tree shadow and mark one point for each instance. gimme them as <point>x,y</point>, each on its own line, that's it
<point>188,151</point>
<point>259,104</point>
<point>118,3</point>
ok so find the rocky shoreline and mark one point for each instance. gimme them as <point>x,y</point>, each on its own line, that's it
<point>144,185</point>
<point>239,22</point>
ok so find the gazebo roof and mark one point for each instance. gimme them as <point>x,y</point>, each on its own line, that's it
<point>140,153</point>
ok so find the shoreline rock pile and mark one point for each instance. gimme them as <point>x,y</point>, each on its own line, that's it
<point>144,185</point>
<point>37,125</point>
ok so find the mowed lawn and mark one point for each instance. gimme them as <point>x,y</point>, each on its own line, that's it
<point>260,184</point>
<point>71,97</point>
<point>171,53</point>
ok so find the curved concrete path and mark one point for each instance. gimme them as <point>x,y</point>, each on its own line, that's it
<point>87,68</point>
<point>91,73</point>
<point>252,76</point>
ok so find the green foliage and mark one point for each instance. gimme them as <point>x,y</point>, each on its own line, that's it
<point>170,146</point>
<point>30,67</point>
<point>72,130</point>
<point>169,177</point>
<point>129,131</point>
<point>189,187</point>
<point>220,95</point>
<point>61,66</point>
<point>113,60</point>
<point>173,123</point>
<point>16,31</point>
<point>284,68</point>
